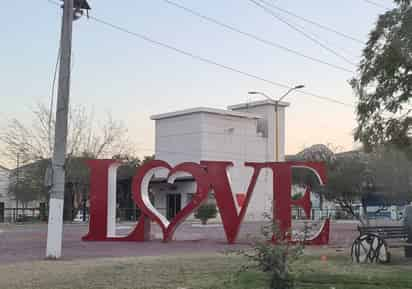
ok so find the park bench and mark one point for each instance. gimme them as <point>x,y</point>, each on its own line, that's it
<point>372,245</point>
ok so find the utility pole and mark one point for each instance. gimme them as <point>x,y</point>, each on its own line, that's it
<point>72,10</point>
<point>56,203</point>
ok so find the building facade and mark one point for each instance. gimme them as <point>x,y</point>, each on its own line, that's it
<point>4,191</point>
<point>241,133</point>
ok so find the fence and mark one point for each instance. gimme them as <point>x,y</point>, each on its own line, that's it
<point>318,214</point>
<point>16,215</point>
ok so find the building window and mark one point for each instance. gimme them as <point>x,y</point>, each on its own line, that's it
<point>189,197</point>
<point>262,127</point>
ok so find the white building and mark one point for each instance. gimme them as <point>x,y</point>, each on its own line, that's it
<point>241,133</point>
<point>4,188</point>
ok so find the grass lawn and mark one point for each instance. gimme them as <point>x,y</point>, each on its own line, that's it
<point>200,271</point>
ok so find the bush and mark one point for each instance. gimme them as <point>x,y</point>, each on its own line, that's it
<point>273,258</point>
<point>205,212</point>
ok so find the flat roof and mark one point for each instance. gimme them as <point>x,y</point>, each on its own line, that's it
<point>217,111</point>
<point>258,103</point>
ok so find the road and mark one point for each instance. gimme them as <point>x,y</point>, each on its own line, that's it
<point>27,242</point>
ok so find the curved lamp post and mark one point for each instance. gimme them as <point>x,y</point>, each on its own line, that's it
<point>277,101</point>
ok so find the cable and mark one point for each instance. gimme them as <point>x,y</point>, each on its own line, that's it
<point>52,94</point>
<point>325,42</point>
<point>317,24</point>
<point>208,61</point>
<point>375,4</point>
<point>313,39</point>
<point>254,37</point>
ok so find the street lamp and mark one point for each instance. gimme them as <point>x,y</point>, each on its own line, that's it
<point>277,101</point>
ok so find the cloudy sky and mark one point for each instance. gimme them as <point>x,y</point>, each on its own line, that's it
<point>133,79</point>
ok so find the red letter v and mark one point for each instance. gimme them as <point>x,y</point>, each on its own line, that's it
<point>218,178</point>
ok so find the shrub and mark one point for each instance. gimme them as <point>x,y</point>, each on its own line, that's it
<point>205,212</point>
<point>273,258</point>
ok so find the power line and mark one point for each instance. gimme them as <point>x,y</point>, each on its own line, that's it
<point>253,36</point>
<point>316,36</point>
<point>301,31</point>
<point>376,4</point>
<point>317,24</point>
<point>212,62</point>
<point>208,61</point>
<point>52,96</point>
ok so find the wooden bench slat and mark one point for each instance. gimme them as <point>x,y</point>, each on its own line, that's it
<point>385,232</point>
<point>388,232</point>
<point>388,229</point>
<point>381,226</point>
<point>399,245</point>
<point>385,229</point>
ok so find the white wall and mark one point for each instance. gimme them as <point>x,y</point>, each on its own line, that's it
<point>224,137</point>
<point>178,139</point>
<point>237,139</point>
<point>267,111</point>
<point>160,191</point>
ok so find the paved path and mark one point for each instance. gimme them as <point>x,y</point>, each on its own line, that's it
<point>27,242</point>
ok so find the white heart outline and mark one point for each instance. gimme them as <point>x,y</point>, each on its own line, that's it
<point>144,189</point>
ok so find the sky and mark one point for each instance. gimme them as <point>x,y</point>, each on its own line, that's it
<point>134,79</point>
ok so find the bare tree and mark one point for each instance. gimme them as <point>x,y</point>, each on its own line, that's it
<point>32,144</point>
<point>86,137</point>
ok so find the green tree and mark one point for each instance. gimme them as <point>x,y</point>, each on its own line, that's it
<point>345,185</point>
<point>346,175</point>
<point>392,173</point>
<point>384,83</point>
<point>26,183</point>
<point>315,153</point>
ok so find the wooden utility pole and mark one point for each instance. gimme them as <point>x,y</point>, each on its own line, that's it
<point>56,204</point>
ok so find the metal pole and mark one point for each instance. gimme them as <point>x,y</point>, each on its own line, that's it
<point>55,225</point>
<point>277,113</point>
<point>277,130</point>
<point>17,179</point>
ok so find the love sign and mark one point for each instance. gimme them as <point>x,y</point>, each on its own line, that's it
<point>208,176</point>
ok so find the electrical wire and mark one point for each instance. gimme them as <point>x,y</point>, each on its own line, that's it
<point>254,37</point>
<point>301,31</point>
<point>52,95</point>
<point>212,62</point>
<point>209,61</point>
<point>314,35</point>
<point>376,4</point>
<point>315,23</point>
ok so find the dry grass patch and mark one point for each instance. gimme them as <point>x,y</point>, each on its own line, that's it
<point>212,271</point>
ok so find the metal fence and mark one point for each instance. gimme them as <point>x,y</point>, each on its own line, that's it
<point>19,215</point>
<point>16,215</point>
<point>319,214</point>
